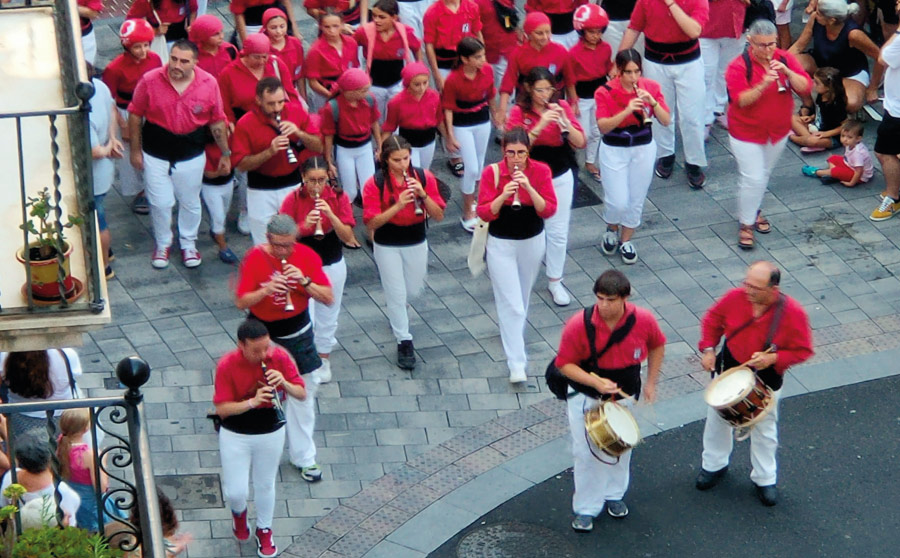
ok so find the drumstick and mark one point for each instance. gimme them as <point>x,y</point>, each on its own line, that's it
<point>712,373</point>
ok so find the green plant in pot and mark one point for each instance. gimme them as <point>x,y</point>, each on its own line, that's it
<point>48,240</point>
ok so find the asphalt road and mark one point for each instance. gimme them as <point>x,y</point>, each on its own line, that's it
<point>838,478</point>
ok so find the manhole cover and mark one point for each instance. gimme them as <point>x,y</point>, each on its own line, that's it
<point>191,492</point>
<point>514,540</point>
<point>584,195</point>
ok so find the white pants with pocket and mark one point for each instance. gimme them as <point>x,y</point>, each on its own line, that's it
<point>755,163</point>
<point>262,205</point>
<point>422,157</point>
<point>588,121</point>
<point>685,93</point>
<point>356,165</point>
<point>301,422</point>
<point>166,183</point>
<point>627,173</point>
<point>568,40</point>
<point>218,201</point>
<point>717,54</point>
<point>402,270</point>
<point>383,95</point>
<point>556,227</point>
<point>413,14</point>
<point>324,317</point>
<point>246,454</point>
<point>613,36</point>
<point>473,144</point>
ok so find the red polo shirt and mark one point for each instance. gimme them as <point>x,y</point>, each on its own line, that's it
<point>325,63</point>
<point>237,379</point>
<point>238,85</point>
<point>169,11</point>
<point>375,202</point>
<point>539,176</point>
<point>404,111</point>
<point>291,55</point>
<point>355,121</point>
<point>392,49</point>
<point>551,135</point>
<point>497,40</point>
<point>769,118</point>
<point>298,205</point>
<point>590,63</point>
<point>123,74</point>
<point>240,6</point>
<point>339,6</point>
<point>215,63</point>
<point>458,87</point>
<point>553,56</point>
<point>445,29</point>
<point>614,100</point>
<point>726,20</point>
<point>254,134</point>
<point>644,336</point>
<point>258,267</point>
<point>655,20</point>
<point>157,101</point>
<point>553,6</point>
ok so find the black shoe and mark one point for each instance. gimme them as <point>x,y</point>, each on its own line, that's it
<point>828,180</point>
<point>768,495</point>
<point>707,480</point>
<point>406,356</point>
<point>664,166</point>
<point>695,176</point>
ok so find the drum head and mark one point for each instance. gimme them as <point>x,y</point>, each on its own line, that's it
<point>622,423</point>
<point>730,387</point>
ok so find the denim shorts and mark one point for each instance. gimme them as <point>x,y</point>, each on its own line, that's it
<point>99,204</point>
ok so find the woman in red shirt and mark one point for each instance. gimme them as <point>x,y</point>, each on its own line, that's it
<point>238,80</point>
<point>168,17</point>
<point>328,57</point>
<point>469,105</point>
<point>446,23</point>
<point>416,114</point>
<point>396,204</point>
<point>209,36</point>
<point>626,107</point>
<point>554,132</point>
<point>516,196</point>
<point>324,221</point>
<point>288,49</point>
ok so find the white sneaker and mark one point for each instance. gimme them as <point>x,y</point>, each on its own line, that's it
<point>243,223</point>
<point>323,373</point>
<point>160,259</point>
<point>629,254</point>
<point>517,375</point>
<point>468,224</point>
<point>610,243</point>
<point>560,295</point>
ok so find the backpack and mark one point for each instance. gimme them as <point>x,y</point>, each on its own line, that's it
<point>507,16</point>
<point>336,111</point>
<point>418,173</point>
<point>749,65</point>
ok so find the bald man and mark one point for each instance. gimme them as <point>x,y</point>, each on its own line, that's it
<point>752,318</point>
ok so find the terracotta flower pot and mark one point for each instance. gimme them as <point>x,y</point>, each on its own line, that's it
<point>44,275</point>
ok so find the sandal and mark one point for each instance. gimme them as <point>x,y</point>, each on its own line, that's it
<point>595,175</point>
<point>745,237</point>
<point>458,169</point>
<point>762,224</point>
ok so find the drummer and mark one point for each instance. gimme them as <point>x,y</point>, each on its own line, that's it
<point>752,318</point>
<point>633,336</point>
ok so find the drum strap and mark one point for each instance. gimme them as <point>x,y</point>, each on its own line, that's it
<point>778,308</point>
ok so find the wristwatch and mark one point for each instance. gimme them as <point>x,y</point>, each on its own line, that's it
<point>226,153</point>
<point>305,281</point>
<point>709,350</point>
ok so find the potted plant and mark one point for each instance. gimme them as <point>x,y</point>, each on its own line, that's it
<point>43,251</point>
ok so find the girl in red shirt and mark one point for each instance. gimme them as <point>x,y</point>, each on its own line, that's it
<point>396,204</point>
<point>324,221</point>
<point>209,36</point>
<point>248,17</point>
<point>626,107</point>
<point>288,49</point>
<point>516,196</point>
<point>561,14</point>
<point>328,57</point>
<point>446,23</point>
<point>469,104</point>
<point>417,114</point>
<point>554,132</point>
<point>168,17</point>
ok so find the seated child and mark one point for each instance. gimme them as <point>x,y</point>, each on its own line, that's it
<point>855,167</point>
<point>820,131</point>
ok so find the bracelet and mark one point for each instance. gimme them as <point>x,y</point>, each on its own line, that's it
<point>305,281</point>
<point>655,104</point>
<point>709,350</point>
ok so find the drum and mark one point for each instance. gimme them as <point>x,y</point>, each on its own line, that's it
<point>612,428</point>
<point>740,397</point>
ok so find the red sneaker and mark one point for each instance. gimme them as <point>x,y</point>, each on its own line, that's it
<point>265,546</point>
<point>239,526</point>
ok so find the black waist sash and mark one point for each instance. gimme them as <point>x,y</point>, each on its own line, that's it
<point>386,73</point>
<point>350,143</point>
<point>418,137</point>
<point>445,58</point>
<point>561,158</point>
<point>176,32</point>
<point>253,14</point>
<point>254,421</point>
<point>514,224</point>
<point>560,24</point>
<point>219,180</point>
<point>671,53</point>
<point>390,234</point>
<point>586,89</point>
<point>471,118</point>
<point>163,144</point>
<point>629,136</point>
<point>286,327</point>
<point>329,248</point>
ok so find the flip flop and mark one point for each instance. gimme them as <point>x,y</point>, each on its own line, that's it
<point>762,224</point>
<point>351,246</point>
<point>596,176</point>
<point>458,169</point>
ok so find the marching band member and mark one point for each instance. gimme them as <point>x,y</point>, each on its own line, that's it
<point>560,13</point>
<point>416,114</point>
<point>516,196</point>
<point>446,23</point>
<point>328,57</point>
<point>635,336</point>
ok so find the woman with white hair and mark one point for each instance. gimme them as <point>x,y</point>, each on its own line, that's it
<point>839,42</point>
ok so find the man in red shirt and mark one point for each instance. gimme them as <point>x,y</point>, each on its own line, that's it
<point>275,283</point>
<point>744,316</point>
<point>168,116</point>
<point>615,373</point>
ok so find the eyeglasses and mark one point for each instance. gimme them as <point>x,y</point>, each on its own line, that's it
<point>750,287</point>
<point>764,45</point>
<point>543,90</point>
<point>282,245</point>
<point>316,181</point>
<point>520,153</point>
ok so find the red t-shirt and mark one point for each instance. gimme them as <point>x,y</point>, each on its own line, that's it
<point>355,121</point>
<point>340,6</point>
<point>553,56</point>
<point>612,101</point>
<point>215,63</point>
<point>325,63</point>
<point>726,20</point>
<point>539,176</point>
<point>392,49</point>
<point>237,379</point>
<point>240,6</point>
<point>644,336</point>
<point>553,6</point>
<point>769,118</point>
<point>291,55</point>
<point>445,29</point>
<point>655,20</point>
<point>254,134</point>
<point>298,205</point>
<point>458,87</point>
<point>96,5</point>
<point>551,135</point>
<point>590,63</point>
<point>157,101</point>
<point>793,337</point>
<point>258,267</point>
<point>238,85</point>
<point>404,111</point>
<point>497,40</point>
<point>169,11</point>
<point>375,202</point>
<point>123,74</point>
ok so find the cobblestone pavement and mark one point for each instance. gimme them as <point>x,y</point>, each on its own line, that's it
<point>391,443</point>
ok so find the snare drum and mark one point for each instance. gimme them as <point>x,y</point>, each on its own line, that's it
<point>740,397</point>
<point>612,428</point>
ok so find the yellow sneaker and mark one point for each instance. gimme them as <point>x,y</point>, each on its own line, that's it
<point>886,210</point>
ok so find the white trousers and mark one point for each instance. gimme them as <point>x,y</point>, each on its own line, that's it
<point>315,101</point>
<point>557,226</point>
<point>201,7</point>
<point>499,70</point>
<point>383,95</point>
<point>413,14</point>
<point>262,205</point>
<point>240,186</point>
<point>473,144</point>
<point>595,482</point>
<point>242,453</point>
<point>218,201</point>
<point>513,266</point>
<point>588,120</point>
<point>717,54</point>
<point>130,181</point>
<point>718,441</point>
<point>613,36</point>
<point>324,317</point>
<point>568,40</point>
<point>166,183</point>
<point>301,422</point>
<point>89,46</point>
<point>755,162</point>
<point>627,172</point>
<point>422,157</point>
<point>355,166</point>
<point>402,270</point>
<point>685,93</point>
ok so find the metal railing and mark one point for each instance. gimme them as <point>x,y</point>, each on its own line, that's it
<point>129,449</point>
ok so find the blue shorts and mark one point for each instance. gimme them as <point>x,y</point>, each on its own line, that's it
<point>101,211</point>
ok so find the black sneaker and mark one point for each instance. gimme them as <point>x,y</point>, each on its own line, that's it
<point>110,274</point>
<point>695,176</point>
<point>616,508</point>
<point>768,495</point>
<point>406,356</point>
<point>708,479</point>
<point>828,180</point>
<point>664,166</point>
